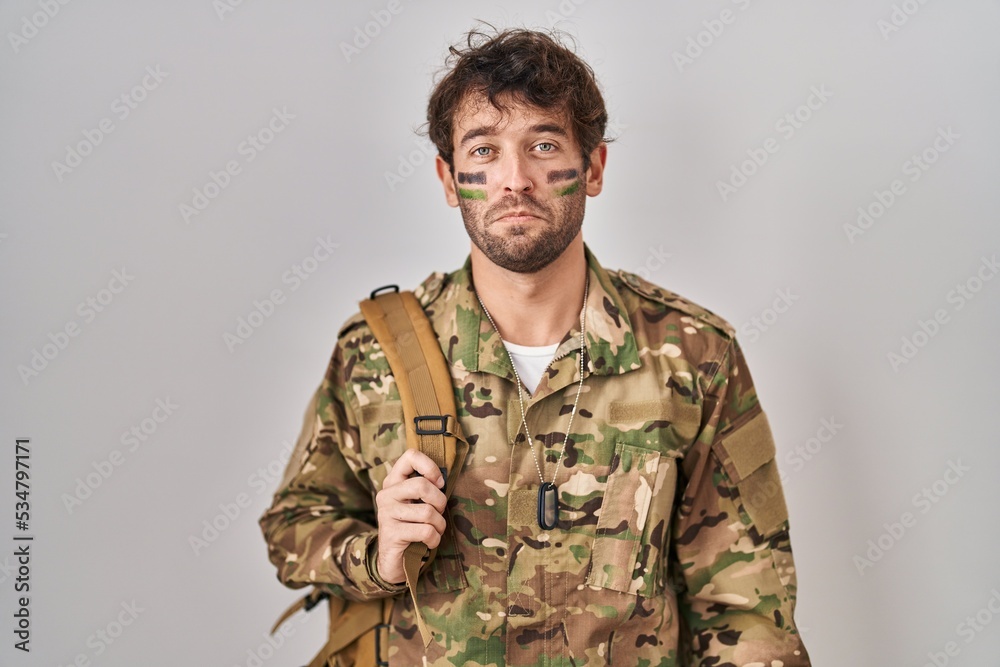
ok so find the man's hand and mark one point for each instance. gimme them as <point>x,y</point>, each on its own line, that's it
<point>410,509</point>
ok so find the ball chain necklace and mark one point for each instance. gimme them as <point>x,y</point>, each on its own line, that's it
<point>548,494</point>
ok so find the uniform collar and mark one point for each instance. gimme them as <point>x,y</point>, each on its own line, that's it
<point>470,342</point>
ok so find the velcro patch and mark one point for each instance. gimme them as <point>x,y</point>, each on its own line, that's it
<point>380,413</point>
<point>752,467</point>
<point>750,446</point>
<point>522,507</point>
<point>684,417</point>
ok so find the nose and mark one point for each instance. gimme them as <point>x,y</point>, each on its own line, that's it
<point>516,178</point>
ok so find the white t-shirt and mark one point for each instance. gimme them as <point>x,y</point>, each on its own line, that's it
<point>531,362</point>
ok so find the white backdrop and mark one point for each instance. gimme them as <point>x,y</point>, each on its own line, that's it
<point>167,166</point>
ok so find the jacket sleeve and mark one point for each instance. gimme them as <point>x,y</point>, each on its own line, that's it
<point>732,558</point>
<point>321,526</point>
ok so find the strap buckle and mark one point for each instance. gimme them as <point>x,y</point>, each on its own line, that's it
<point>375,291</point>
<point>378,644</point>
<point>442,420</point>
<point>441,430</point>
<point>313,601</point>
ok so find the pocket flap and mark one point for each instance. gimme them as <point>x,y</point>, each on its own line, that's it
<point>750,446</point>
<point>752,466</point>
<point>387,412</point>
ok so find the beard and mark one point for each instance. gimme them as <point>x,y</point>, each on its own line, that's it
<point>524,247</point>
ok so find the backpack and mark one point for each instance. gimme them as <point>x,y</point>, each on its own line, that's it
<point>358,633</point>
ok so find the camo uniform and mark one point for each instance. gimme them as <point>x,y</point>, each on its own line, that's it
<point>672,545</point>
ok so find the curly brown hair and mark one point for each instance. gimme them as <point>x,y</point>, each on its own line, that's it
<point>520,66</point>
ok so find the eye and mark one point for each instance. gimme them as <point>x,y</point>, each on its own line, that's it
<point>546,147</point>
<point>481,151</point>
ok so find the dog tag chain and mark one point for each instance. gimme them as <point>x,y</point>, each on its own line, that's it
<point>548,493</point>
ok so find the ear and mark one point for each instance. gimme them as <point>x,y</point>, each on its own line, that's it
<point>595,172</point>
<point>447,180</point>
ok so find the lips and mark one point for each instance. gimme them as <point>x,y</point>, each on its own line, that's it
<point>515,216</point>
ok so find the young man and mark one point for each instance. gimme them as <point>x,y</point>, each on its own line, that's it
<point>620,503</point>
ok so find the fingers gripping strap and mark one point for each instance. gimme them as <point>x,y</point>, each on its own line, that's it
<point>425,388</point>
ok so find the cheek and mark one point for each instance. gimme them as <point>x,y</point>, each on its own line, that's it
<point>471,194</point>
<point>566,190</point>
<point>470,178</point>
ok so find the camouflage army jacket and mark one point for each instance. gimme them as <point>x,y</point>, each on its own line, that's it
<point>672,544</point>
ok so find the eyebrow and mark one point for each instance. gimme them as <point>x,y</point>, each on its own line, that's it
<point>550,128</point>
<point>490,130</point>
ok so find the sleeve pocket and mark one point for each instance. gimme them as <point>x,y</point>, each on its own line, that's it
<point>748,456</point>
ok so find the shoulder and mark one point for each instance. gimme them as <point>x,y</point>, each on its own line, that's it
<point>684,339</point>
<point>426,293</point>
<point>661,303</point>
<point>358,353</point>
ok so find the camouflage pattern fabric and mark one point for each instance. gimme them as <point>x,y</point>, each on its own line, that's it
<point>672,545</point>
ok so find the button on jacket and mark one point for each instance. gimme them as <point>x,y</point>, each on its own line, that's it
<point>672,543</point>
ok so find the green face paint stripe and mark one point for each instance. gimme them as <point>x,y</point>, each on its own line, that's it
<point>472,194</point>
<point>569,189</point>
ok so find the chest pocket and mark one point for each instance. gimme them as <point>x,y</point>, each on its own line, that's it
<point>632,533</point>
<point>383,440</point>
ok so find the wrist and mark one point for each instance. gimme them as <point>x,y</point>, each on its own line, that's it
<point>372,561</point>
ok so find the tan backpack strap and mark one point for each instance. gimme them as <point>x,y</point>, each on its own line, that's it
<point>414,354</point>
<point>421,371</point>
<point>349,621</point>
<point>299,604</point>
<point>411,347</point>
<point>307,602</point>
